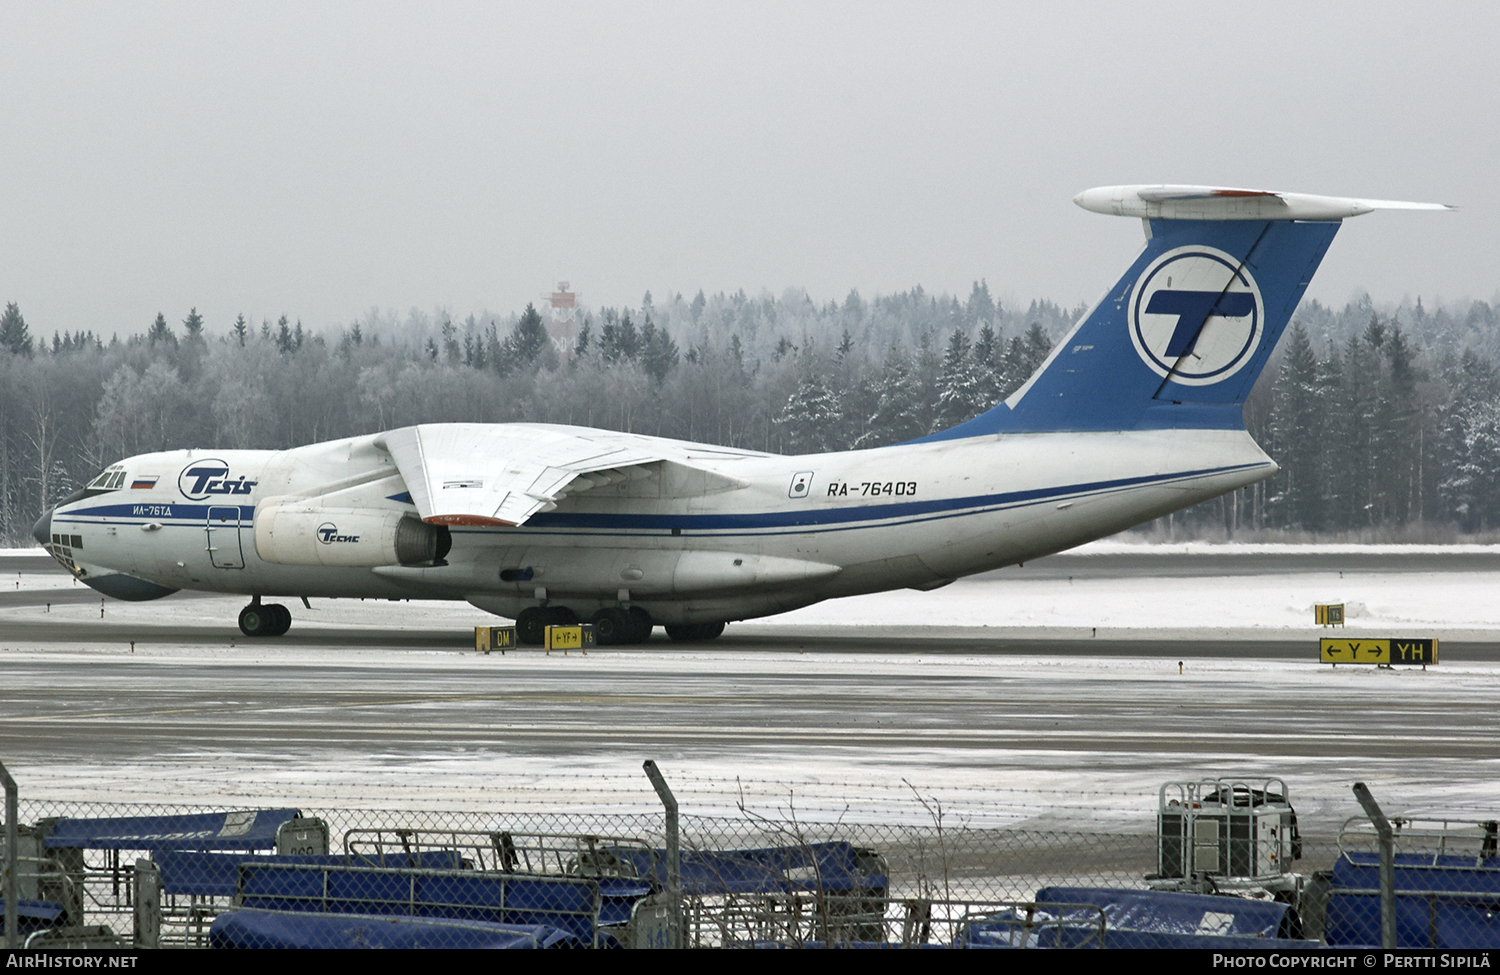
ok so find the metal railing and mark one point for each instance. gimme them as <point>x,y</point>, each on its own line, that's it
<point>909,877</point>
<point>497,851</point>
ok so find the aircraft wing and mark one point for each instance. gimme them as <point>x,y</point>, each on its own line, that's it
<point>502,474</point>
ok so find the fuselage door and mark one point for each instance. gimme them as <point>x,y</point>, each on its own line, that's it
<point>223,532</point>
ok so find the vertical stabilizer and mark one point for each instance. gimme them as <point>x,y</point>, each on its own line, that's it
<point>1182,336</point>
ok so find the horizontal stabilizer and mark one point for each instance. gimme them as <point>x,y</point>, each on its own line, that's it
<point>1167,202</point>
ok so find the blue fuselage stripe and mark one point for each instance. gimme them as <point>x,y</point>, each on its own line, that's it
<point>803,521</point>
<point>834,519</point>
<point>158,510</point>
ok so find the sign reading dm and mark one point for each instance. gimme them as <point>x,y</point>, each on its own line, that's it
<point>1196,315</point>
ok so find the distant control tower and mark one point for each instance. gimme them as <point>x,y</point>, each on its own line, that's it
<point>563,328</point>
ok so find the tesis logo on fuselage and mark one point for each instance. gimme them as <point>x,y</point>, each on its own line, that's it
<point>203,479</point>
<point>328,533</point>
<point>1196,315</point>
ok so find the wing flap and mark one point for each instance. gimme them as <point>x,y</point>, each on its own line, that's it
<point>502,474</point>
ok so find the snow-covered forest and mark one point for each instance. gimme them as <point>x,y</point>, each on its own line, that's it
<point>1386,420</point>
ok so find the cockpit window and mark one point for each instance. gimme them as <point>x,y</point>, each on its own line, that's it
<point>109,479</point>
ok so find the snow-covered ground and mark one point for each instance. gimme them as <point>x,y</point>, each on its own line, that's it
<point>1464,606</point>
<point>1020,783</point>
<point>1241,607</point>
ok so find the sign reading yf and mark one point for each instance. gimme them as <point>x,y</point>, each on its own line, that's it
<point>209,477</point>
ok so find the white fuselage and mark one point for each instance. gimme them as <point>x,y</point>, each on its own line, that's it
<point>722,535</point>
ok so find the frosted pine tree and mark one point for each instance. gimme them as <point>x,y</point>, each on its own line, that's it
<point>1470,486</point>
<point>1023,356</point>
<point>980,308</point>
<point>160,334</point>
<point>901,413</point>
<point>1473,489</point>
<point>989,365</point>
<point>961,389</point>
<point>15,337</point>
<point>811,420</point>
<point>1298,436</point>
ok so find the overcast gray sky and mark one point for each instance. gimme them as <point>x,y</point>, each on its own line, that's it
<point>320,159</point>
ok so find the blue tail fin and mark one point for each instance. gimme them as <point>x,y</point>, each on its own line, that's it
<point>1181,337</point>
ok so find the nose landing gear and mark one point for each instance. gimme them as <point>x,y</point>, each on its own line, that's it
<point>270,619</point>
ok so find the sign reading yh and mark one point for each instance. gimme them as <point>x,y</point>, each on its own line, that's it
<point>1380,652</point>
<point>205,478</point>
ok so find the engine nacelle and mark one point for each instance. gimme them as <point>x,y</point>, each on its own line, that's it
<point>303,533</point>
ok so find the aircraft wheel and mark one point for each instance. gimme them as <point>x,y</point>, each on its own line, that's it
<point>278,618</point>
<point>694,632</point>
<point>643,625</point>
<point>613,627</point>
<point>258,620</point>
<point>530,627</point>
<point>560,616</point>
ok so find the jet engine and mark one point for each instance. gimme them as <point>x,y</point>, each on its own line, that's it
<point>293,533</point>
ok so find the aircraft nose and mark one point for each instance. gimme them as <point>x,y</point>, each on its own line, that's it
<point>42,530</point>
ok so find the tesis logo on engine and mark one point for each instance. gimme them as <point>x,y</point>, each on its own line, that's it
<point>328,533</point>
<point>1196,316</point>
<point>209,477</point>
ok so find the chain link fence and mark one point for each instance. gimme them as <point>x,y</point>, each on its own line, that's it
<point>1216,864</point>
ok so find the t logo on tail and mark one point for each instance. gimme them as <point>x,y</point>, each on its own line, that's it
<point>1196,315</point>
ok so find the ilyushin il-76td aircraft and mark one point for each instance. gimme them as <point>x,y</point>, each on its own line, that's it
<point>1137,412</point>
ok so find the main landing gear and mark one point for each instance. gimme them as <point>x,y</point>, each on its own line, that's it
<point>695,632</point>
<point>532,623</point>
<point>271,619</point>
<point>613,626</point>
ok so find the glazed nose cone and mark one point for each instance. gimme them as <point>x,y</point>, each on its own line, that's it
<point>42,530</point>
